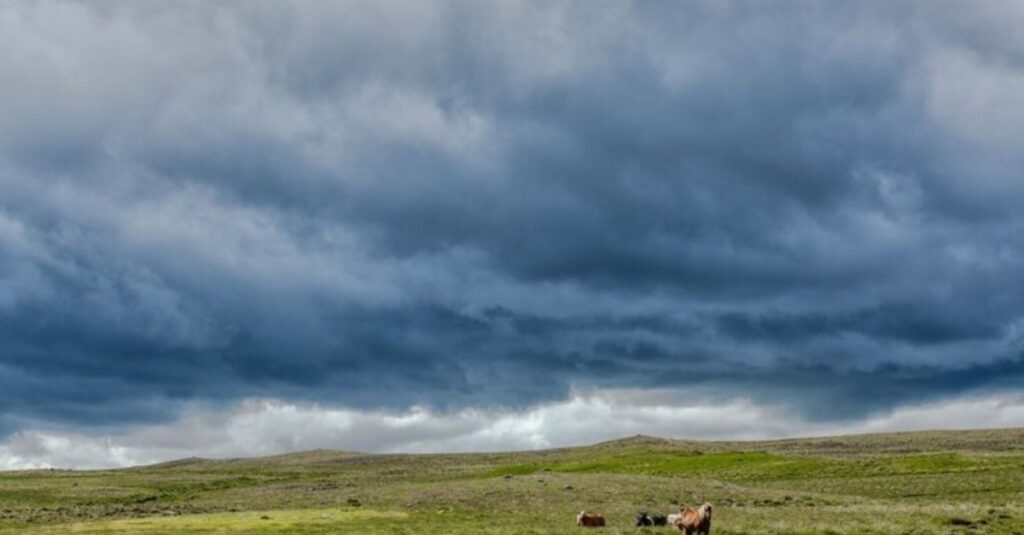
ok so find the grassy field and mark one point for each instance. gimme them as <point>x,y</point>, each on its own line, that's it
<point>965,482</point>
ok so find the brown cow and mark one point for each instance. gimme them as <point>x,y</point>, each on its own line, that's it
<point>695,520</point>
<point>589,520</point>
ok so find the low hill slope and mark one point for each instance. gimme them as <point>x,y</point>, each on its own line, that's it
<point>929,482</point>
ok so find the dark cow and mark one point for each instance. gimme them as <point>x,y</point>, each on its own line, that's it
<point>644,520</point>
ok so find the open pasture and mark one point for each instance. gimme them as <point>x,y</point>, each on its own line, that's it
<point>965,482</point>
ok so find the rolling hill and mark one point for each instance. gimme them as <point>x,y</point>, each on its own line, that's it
<point>927,482</point>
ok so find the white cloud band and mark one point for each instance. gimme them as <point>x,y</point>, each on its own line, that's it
<point>266,426</point>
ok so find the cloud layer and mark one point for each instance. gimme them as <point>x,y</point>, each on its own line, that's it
<point>257,427</point>
<point>463,206</point>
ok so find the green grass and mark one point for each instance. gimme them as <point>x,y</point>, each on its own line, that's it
<point>657,463</point>
<point>289,520</point>
<point>914,483</point>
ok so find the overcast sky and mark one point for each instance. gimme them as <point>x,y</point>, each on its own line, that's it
<point>239,228</point>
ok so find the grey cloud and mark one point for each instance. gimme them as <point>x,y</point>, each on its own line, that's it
<point>458,205</point>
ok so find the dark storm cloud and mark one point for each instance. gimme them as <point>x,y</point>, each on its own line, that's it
<point>485,205</point>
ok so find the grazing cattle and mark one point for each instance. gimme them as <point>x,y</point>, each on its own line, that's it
<point>642,520</point>
<point>589,520</point>
<point>695,520</point>
<point>672,518</point>
<point>659,520</point>
<point>705,523</point>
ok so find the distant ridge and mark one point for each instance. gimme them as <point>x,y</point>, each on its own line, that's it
<point>637,440</point>
<point>182,463</point>
<point>297,458</point>
<point>896,442</point>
